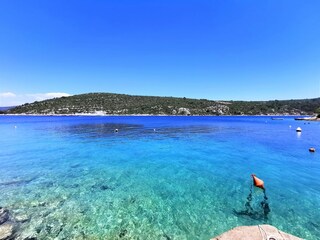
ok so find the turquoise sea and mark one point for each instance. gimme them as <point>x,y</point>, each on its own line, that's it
<point>157,177</point>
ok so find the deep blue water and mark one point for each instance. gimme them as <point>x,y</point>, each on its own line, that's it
<point>158,177</point>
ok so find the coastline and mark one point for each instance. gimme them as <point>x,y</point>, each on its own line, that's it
<point>308,119</point>
<point>155,115</point>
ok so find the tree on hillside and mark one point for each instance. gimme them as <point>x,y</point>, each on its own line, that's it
<point>318,112</point>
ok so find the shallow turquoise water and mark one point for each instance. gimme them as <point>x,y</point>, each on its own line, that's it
<point>158,177</point>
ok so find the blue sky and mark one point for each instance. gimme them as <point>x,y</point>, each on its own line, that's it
<point>217,49</point>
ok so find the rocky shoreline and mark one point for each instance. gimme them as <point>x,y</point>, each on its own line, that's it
<point>308,119</point>
<point>11,225</point>
<point>257,232</point>
<point>9,229</point>
<point>152,115</point>
<point>8,225</point>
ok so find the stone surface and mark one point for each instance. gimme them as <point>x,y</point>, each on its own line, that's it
<point>255,233</point>
<point>22,218</point>
<point>4,215</point>
<point>6,231</point>
<point>218,109</point>
<point>183,111</point>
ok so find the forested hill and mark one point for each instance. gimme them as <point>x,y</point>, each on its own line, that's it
<point>121,104</point>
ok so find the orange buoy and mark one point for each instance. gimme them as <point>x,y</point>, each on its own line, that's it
<point>312,149</point>
<point>257,181</point>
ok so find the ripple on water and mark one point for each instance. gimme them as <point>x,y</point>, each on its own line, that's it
<point>189,179</point>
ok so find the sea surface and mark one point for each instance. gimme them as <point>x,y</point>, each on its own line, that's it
<point>157,177</point>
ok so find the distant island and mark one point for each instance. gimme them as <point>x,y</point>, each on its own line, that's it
<point>122,104</point>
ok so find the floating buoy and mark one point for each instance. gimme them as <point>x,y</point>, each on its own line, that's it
<point>257,181</point>
<point>298,129</point>
<point>312,149</point>
<point>116,130</point>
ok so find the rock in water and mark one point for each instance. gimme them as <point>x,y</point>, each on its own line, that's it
<point>22,218</point>
<point>6,231</point>
<point>4,215</point>
<point>255,233</point>
<point>7,225</point>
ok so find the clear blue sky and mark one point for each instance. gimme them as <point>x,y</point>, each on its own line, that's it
<point>217,49</point>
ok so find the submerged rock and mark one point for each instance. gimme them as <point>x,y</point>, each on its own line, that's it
<point>102,187</point>
<point>4,215</point>
<point>166,237</point>
<point>7,225</point>
<point>22,218</point>
<point>17,182</point>
<point>6,231</point>
<point>75,165</point>
<point>123,233</point>
<point>106,187</point>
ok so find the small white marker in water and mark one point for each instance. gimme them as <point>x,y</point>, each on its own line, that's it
<point>15,126</point>
<point>154,129</point>
<point>289,126</point>
<point>116,130</point>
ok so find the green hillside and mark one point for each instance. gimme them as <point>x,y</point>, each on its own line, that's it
<point>121,104</point>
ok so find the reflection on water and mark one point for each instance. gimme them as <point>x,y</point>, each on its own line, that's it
<point>109,130</point>
<point>98,130</point>
<point>298,134</point>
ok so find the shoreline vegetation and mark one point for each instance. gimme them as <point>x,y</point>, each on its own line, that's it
<point>109,104</point>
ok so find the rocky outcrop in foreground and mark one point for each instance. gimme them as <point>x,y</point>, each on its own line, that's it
<point>256,233</point>
<point>7,225</point>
